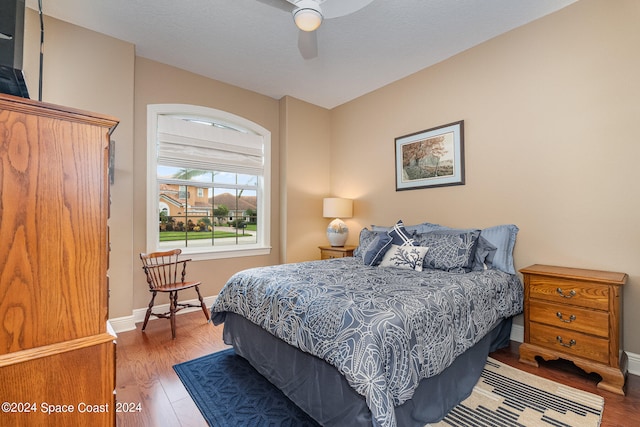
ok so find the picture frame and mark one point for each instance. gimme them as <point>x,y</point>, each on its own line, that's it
<point>430,158</point>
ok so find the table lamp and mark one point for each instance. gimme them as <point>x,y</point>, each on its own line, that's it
<point>335,207</point>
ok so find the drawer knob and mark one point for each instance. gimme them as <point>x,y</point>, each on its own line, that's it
<point>571,318</point>
<point>571,294</point>
<point>571,343</point>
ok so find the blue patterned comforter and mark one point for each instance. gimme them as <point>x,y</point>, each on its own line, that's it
<point>384,329</point>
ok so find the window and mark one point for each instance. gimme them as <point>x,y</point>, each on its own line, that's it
<point>182,191</point>
<point>208,181</point>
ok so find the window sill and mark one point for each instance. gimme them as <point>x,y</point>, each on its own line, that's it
<point>197,254</point>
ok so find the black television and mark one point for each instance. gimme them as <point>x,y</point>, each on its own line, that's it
<point>11,48</point>
<point>12,82</point>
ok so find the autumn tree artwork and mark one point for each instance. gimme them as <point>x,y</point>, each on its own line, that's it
<point>426,159</point>
<point>430,158</point>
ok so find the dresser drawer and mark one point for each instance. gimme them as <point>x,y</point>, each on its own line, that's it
<point>570,342</point>
<point>570,317</point>
<point>567,291</point>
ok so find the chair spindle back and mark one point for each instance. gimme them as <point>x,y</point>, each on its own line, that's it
<point>162,268</point>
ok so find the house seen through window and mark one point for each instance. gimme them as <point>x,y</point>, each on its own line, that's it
<point>211,183</point>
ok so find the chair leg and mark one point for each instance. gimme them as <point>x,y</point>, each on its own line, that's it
<point>202,304</point>
<point>146,316</point>
<point>173,299</point>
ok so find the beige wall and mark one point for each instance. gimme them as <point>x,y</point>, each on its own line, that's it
<point>87,70</point>
<point>157,83</point>
<point>550,142</point>
<point>305,177</point>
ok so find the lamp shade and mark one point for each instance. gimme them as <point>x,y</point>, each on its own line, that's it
<point>336,207</point>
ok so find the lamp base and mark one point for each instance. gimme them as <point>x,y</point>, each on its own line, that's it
<point>337,232</point>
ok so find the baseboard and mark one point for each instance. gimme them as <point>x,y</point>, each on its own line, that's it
<point>128,323</point>
<point>123,324</point>
<point>517,334</point>
<point>634,363</point>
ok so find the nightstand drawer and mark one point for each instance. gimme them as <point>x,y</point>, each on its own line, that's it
<point>570,342</point>
<point>570,317</point>
<point>566,291</point>
<point>328,254</point>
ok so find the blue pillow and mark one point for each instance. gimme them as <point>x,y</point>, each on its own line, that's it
<point>503,237</point>
<point>400,235</point>
<point>485,252</point>
<point>373,254</point>
<point>366,237</point>
<point>427,227</point>
<point>450,250</point>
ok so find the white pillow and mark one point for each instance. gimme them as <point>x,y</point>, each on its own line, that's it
<point>405,256</point>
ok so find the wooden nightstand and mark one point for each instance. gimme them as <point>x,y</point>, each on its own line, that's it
<point>575,314</point>
<point>328,252</point>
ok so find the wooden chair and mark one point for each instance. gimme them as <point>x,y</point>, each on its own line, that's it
<point>162,269</point>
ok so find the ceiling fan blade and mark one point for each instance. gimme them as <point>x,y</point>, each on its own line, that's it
<point>308,44</point>
<point>337,8</point>
<point>279,4</point>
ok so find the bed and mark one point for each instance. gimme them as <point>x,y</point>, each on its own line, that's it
<point>395,336</point>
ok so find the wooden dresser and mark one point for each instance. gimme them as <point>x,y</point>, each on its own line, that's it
<point>575,314</point>
<point>328,252</point>
<point>57,351</point>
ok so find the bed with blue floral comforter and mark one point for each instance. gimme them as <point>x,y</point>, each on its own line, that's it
<point>384,329</point>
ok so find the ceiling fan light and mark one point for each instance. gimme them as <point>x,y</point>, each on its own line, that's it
<point>307,18</point>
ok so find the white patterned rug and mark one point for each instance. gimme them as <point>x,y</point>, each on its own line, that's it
<point>506,396</point>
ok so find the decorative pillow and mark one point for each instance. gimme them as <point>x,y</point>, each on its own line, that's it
<point>408,257</point>
<point>373,254</point>
<point>366,237</point>
<point>400,235</point>
<point>503,237</point>
<point>450,250</point>
<point>485,251</point>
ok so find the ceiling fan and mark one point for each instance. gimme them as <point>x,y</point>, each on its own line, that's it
<point>309,14</point>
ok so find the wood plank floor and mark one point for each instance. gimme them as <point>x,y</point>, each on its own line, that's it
<point>145,375</point>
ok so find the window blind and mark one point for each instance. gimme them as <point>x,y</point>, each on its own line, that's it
<point>187,144</point>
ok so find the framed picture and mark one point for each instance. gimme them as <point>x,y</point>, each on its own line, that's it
<point>431,158</point>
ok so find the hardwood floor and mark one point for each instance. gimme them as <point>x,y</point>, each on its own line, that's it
<point>145,375</point>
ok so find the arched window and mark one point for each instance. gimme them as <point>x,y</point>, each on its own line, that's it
<point>211,171</point>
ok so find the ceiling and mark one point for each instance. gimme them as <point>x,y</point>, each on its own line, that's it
<point>250,44</point>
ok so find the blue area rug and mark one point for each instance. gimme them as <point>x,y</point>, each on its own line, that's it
<point>230,393</point>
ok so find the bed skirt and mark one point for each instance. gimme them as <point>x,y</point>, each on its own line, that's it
<point>322,392</point>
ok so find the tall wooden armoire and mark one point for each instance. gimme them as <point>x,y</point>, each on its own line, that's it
<point>57,350</point>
